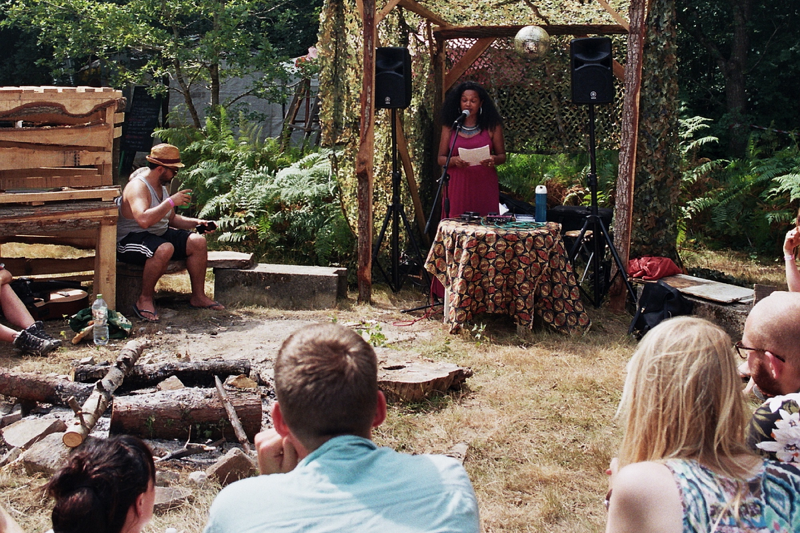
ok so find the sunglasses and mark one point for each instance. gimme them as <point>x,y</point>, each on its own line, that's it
<point>742,351</point>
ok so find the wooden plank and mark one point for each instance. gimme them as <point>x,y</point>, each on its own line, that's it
<point>467,60</point>
<point>477,32</point>
<point>76,100</point>
<point>103,194</point>
<point>365,158</point>
<point>23,266</point>
<point>385,11</point>
<point>615,15</point>
<point>105,263</point>
<point>49,178</point>
<point>91,137</point>
<point>13,158</point>
<point>414,7</point>
<point>709,290</point>
<point>408,169</point>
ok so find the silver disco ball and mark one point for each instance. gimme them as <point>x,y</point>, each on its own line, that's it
<point>532,42</point>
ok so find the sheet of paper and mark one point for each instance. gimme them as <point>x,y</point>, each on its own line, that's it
<point>474,156</point>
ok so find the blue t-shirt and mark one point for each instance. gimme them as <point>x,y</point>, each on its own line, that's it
<point>349,484</point>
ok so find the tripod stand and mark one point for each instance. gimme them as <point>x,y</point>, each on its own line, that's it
<point>599,237</point>
<point>395,212</point>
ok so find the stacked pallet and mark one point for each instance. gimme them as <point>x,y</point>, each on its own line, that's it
<point>52,137</point>
<point>56,174</point>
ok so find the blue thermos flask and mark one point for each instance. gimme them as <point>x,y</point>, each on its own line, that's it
<point>541,203</point>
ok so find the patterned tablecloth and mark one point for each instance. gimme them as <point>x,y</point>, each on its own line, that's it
<point>496,269</point>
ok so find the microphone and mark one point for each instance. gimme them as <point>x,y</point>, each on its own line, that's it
<point>460,120</point>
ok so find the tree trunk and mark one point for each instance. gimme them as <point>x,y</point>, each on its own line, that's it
<point>733,69</point>
<point>42,389</point>
<point>658,180</point>
<point>365,157</point>
<point>195,414</point>
<point>94,407</point>
<point>195,374</point>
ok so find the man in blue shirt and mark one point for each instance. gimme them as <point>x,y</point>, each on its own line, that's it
<point>320,470</point>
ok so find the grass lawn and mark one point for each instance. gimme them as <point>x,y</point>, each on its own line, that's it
<point>537,415</point>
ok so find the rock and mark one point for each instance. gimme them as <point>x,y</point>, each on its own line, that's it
<point>171,383</point>
<point>170,497</point>
<point>47,455</point>
<point>458,452</point>
<point>10,418</point>
<point>165,477</point>
<point>23,433</point>
<point>233,466</point>
<point>241,382</point>
<point>198,477</point>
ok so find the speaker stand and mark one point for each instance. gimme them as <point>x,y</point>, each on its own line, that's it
<point>600,239</point>
<point>395,213</point>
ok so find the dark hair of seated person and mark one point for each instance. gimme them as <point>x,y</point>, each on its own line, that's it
<point>99,484</point>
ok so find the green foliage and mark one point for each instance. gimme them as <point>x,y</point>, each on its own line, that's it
<point>372,332</point>
<point>276,204</point>
<point>190,41</point>
<point>743,203</point>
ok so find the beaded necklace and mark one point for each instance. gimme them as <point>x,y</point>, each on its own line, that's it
<point>470,130</point>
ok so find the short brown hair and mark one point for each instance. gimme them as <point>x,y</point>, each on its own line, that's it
<point>326,381</point>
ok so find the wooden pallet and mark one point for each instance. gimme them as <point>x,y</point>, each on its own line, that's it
<point>58,136</point>
<point>106,194</point>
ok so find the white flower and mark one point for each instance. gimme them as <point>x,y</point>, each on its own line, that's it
<point>786,445</point>
<point>777,402</point>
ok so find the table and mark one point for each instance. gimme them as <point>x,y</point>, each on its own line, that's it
<point>512,270</point>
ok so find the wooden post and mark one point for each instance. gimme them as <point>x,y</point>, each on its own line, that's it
<point>93,408</point>
<point>105,262</point>
<point>623,208</point>
<point>366,156</point>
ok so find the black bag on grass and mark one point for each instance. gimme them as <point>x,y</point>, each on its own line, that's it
<point>658,302</point>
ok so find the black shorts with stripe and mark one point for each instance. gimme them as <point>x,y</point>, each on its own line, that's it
<point>137,247</point>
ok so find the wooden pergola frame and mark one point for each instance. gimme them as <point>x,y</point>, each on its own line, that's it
<point>486,35</point>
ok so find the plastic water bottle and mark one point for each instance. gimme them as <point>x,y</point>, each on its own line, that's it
<point>100,316</point>
<point>541,203</point>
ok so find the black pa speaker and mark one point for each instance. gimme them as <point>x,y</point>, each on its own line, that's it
<point>592,74</point>
<point>392,77</point>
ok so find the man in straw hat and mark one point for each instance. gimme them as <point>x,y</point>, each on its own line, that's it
<point>150,233</point>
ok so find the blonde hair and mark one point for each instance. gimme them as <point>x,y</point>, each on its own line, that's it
<point>682,398</point>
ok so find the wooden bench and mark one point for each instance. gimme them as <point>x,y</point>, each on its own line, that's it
<point>129,277</point>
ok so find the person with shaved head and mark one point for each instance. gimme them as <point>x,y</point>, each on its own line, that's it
<point>771,345</point>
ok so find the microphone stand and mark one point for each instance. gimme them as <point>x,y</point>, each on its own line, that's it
<point>444,180</point>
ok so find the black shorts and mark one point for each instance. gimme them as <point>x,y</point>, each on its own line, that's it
<point>138,247</point>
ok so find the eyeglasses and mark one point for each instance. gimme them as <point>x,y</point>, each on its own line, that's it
<point>742,350</point>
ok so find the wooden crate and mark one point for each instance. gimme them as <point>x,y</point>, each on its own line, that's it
<point>53,137</point>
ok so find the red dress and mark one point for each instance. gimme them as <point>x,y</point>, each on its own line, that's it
<point>472,188</point>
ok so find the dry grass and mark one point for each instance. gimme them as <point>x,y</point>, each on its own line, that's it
<point>538,415</point>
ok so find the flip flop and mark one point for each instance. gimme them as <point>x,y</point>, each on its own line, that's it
<point>209,306</point>
<point>140,313</point>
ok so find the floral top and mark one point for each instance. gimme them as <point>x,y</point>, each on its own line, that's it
<point>768,504</point>
<point>774,430</point>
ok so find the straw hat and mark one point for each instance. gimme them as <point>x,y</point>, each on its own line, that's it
<point>165,155</point>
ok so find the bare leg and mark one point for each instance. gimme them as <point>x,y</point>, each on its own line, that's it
<point>154,268</point>
<point>13,308</point>
<point>7,334</point>
<point>196,263</point>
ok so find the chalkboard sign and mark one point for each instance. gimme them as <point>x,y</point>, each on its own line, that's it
<point>140,122</point>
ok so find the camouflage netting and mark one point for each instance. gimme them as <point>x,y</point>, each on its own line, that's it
<point>534,97</point>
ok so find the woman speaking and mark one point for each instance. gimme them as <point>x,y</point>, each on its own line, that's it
<point>479,148</point>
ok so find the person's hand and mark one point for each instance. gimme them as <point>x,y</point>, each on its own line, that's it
<point>458,162</point>
<point>183,197</point>
<point>276,454</point>
<point>791,242</point>
<point>489,162</point>
<point>5,277</point>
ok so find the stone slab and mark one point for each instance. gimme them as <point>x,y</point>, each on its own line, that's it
<point>23,433</point>
<point>281,286</point>
<point>233,466</point>
<point>46,456</point>
<point>708,289</point>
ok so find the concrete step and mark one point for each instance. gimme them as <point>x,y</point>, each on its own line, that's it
<point>281,286</point>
